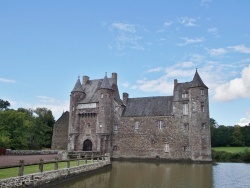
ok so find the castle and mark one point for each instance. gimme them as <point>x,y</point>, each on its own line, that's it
<point>167,127</point>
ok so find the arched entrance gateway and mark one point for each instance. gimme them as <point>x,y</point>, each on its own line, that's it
<point>87,145</point>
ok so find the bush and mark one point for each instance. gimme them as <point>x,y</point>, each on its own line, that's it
<point>223,156</point>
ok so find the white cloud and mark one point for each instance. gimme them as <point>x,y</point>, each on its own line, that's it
<point>55,105</point>
<point>126,37</point>
<point>240,48</point>
<point>161,85</point>
<point>235,88</point>
<point>205,2</point>
<point>189,22</point>
<point>246,120</point>
<point>168,23</point>
<point>217,51</point>
<point>157,69</point>
<point>126,84</point>
<point>214,31</point>
<point>191,40</point>
<point>124,27</point>
<point>7,80</point>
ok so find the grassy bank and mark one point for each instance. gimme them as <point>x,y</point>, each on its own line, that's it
<point>13,172</point>
<point>231,154</point>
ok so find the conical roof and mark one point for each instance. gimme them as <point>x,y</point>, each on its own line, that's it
<point>105,83</point>
<point>78,86</point>
<point>197,81</point>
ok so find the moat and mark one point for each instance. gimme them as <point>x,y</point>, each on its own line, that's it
<point>162,175</point>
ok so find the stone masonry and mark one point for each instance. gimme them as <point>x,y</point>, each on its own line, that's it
<point>163,127</point>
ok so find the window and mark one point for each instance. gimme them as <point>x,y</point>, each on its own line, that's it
<point>202,107</point>
<point>184,148</point>
<point>184,95</point>
<point>115,127</point>
<point>102,108</point>
<point>100,125</point>
<point>185,109</point>
<point>202,92</point>
<point>203,125</point>
<point>166,148</point>
<point>160,124</point>
<point>136,125</point>
<point>186,126</point>
<point>101,95</point>
<point>73,108</point>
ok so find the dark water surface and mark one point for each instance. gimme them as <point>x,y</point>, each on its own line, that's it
<point>152,175</point>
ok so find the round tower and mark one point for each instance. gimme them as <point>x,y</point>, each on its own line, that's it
<point>105,114</point>
<point>77,94</point>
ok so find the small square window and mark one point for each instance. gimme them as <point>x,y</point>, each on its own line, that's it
<point>184,95</point>
<point>184,148</point>
<point>202,107</point>
<point>202,92</point>
<point>160,124</point>
<point>185,126</point>
<point>136,125</point>
<point>166,148</point>
<point>203,125</point>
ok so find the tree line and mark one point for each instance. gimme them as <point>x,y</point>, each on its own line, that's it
<point>222,136</point>
<point>25,128</point>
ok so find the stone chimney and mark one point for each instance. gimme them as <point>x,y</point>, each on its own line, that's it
<point>125,98</point>
<point>114,75</point>
<point>175,82</point>
<point>85,80</point>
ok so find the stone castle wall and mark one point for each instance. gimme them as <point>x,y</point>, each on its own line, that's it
<point>150,140</point>
<point>60,133</point>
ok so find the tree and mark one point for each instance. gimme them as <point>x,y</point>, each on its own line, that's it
<point>44,122</point>
<point>4,104</point>
<point>237,139</point>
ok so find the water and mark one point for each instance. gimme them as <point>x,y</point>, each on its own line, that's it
<point>176,175</point>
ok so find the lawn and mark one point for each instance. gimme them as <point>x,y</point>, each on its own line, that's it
<point>13,172</point>
<point>231,149</point>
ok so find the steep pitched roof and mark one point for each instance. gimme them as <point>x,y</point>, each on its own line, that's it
<point>105,84</point>
<point>78,86</point>
<point>197,81</point>
<point>92,87</point>
<point>149,106</point>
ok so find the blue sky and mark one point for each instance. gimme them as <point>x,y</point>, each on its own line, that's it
<point>45,45</point>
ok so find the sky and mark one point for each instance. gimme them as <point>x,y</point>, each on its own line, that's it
<point>45,45</point>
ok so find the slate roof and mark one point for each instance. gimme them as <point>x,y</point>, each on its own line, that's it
<point>197,81</point>
<point>92,87</point>
<point>78,86</point>
<point>149,106</point>
<point>105,84</point>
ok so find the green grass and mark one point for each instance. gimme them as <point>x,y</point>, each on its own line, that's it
<point>231,149</point>
<point>13,172</point>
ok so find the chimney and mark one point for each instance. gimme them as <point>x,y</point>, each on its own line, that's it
<point>175,82</point>
<point>85,80</point>
<point>125,98</point>
<point>114,75</point>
